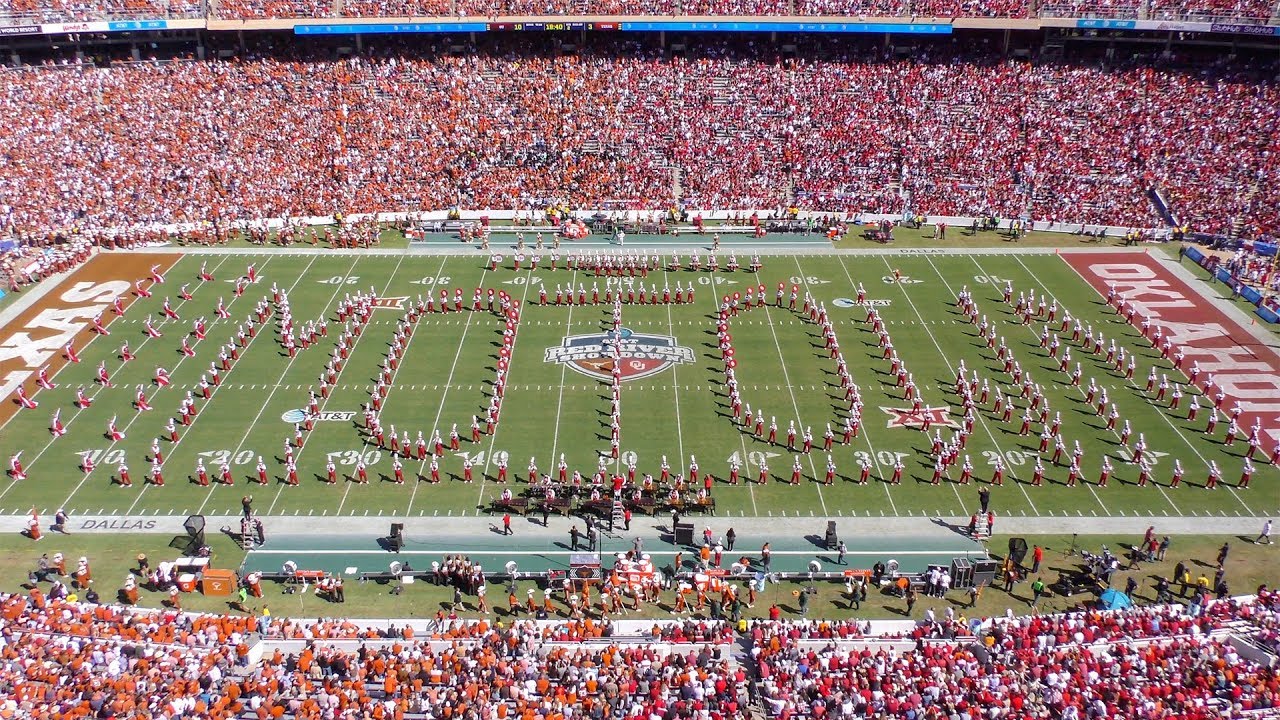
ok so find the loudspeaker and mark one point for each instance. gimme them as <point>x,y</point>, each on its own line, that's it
<point>984,572</point>
<point>831,540</point>
<point>396,538</point>
<point>684,533</point>
<point>1017,550</point>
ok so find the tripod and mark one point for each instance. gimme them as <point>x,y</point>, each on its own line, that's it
<point>1074,548</point>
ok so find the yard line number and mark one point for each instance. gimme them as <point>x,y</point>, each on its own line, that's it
<point>224,457</point>
<point>882,457</point>
<point>755,457</point>
<point>351,457</point>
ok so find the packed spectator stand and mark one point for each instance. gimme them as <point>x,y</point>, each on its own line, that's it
<point>65,11</point>
<point>67,659</point>
<point>841,125</point>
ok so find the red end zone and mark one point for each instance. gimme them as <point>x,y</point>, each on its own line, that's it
<point>1245,369</point>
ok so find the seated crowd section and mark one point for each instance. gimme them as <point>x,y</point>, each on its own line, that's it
<point>68,660</point>
<point>514,124</point>
<point>64,11</point>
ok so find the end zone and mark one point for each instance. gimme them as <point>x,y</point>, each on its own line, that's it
<point>1243,368</point>
<point>36,336</point>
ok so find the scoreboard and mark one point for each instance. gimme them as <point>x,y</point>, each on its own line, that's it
<point>550,26</point>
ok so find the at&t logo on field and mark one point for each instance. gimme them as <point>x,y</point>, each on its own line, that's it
<point>296,416</point>
<point>640,355</point>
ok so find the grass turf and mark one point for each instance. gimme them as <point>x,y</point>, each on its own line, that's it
<point>551,410</point>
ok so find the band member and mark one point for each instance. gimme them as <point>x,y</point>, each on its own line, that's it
<point>21,394</point>
<point>113,433</point>
<point>16,470</point>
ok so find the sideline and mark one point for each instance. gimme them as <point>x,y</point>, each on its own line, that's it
<point>654,528</point>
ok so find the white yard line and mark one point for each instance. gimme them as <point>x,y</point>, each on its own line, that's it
<point>100,390</point>
<point>493,440</point>
<point>265,330</point>
<point>124,431</point>
<point>794,403</point>
<point>865,427</point>
<point>746,477</point>
<point>1081,390</point>
<point>1011,396</point>
<point>351,356</point>
<point>1160,412</point>
<point>675,382</point>
<point>444,394</point>
<point>564,369</point>
<point>435,283</point>
<point>951,369</point>
<point>215,390</point>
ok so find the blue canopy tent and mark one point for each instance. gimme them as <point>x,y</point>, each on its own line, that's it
<point>1113,599</point>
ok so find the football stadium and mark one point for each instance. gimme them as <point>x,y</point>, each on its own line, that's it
<point>707,359</point>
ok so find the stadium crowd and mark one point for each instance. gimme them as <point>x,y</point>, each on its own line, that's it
<point>67,659</point>
<point>27,263</point>
<point>65,11</point>
<point>843,126</point>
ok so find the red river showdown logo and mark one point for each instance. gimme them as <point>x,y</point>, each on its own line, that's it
<point>638,355</point>
<point>907,418</point>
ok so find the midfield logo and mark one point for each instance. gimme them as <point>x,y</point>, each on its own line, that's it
<point>640,356</point>
<point>905,418</point>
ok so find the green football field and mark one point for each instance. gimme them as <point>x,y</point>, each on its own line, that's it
<point>552,408</point>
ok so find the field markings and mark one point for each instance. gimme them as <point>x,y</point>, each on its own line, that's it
<point>745,470</point>
<point>324,311</point>
<point>866,427</point>
<point>93,336</point>
<point>1138,390</point>
<point>187,429</point>
<point>1014,393</point>
<point>76,414</point>
<point>951,369</point>
<point>124,431</point>
<point>346,492</point>
<point>267,329</point>
<point>676,385</point>
<point>813,469</point>
<point>564,369</point>
<point>1081,390</point>
<point>423,464</point>
<point>511,357</point>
